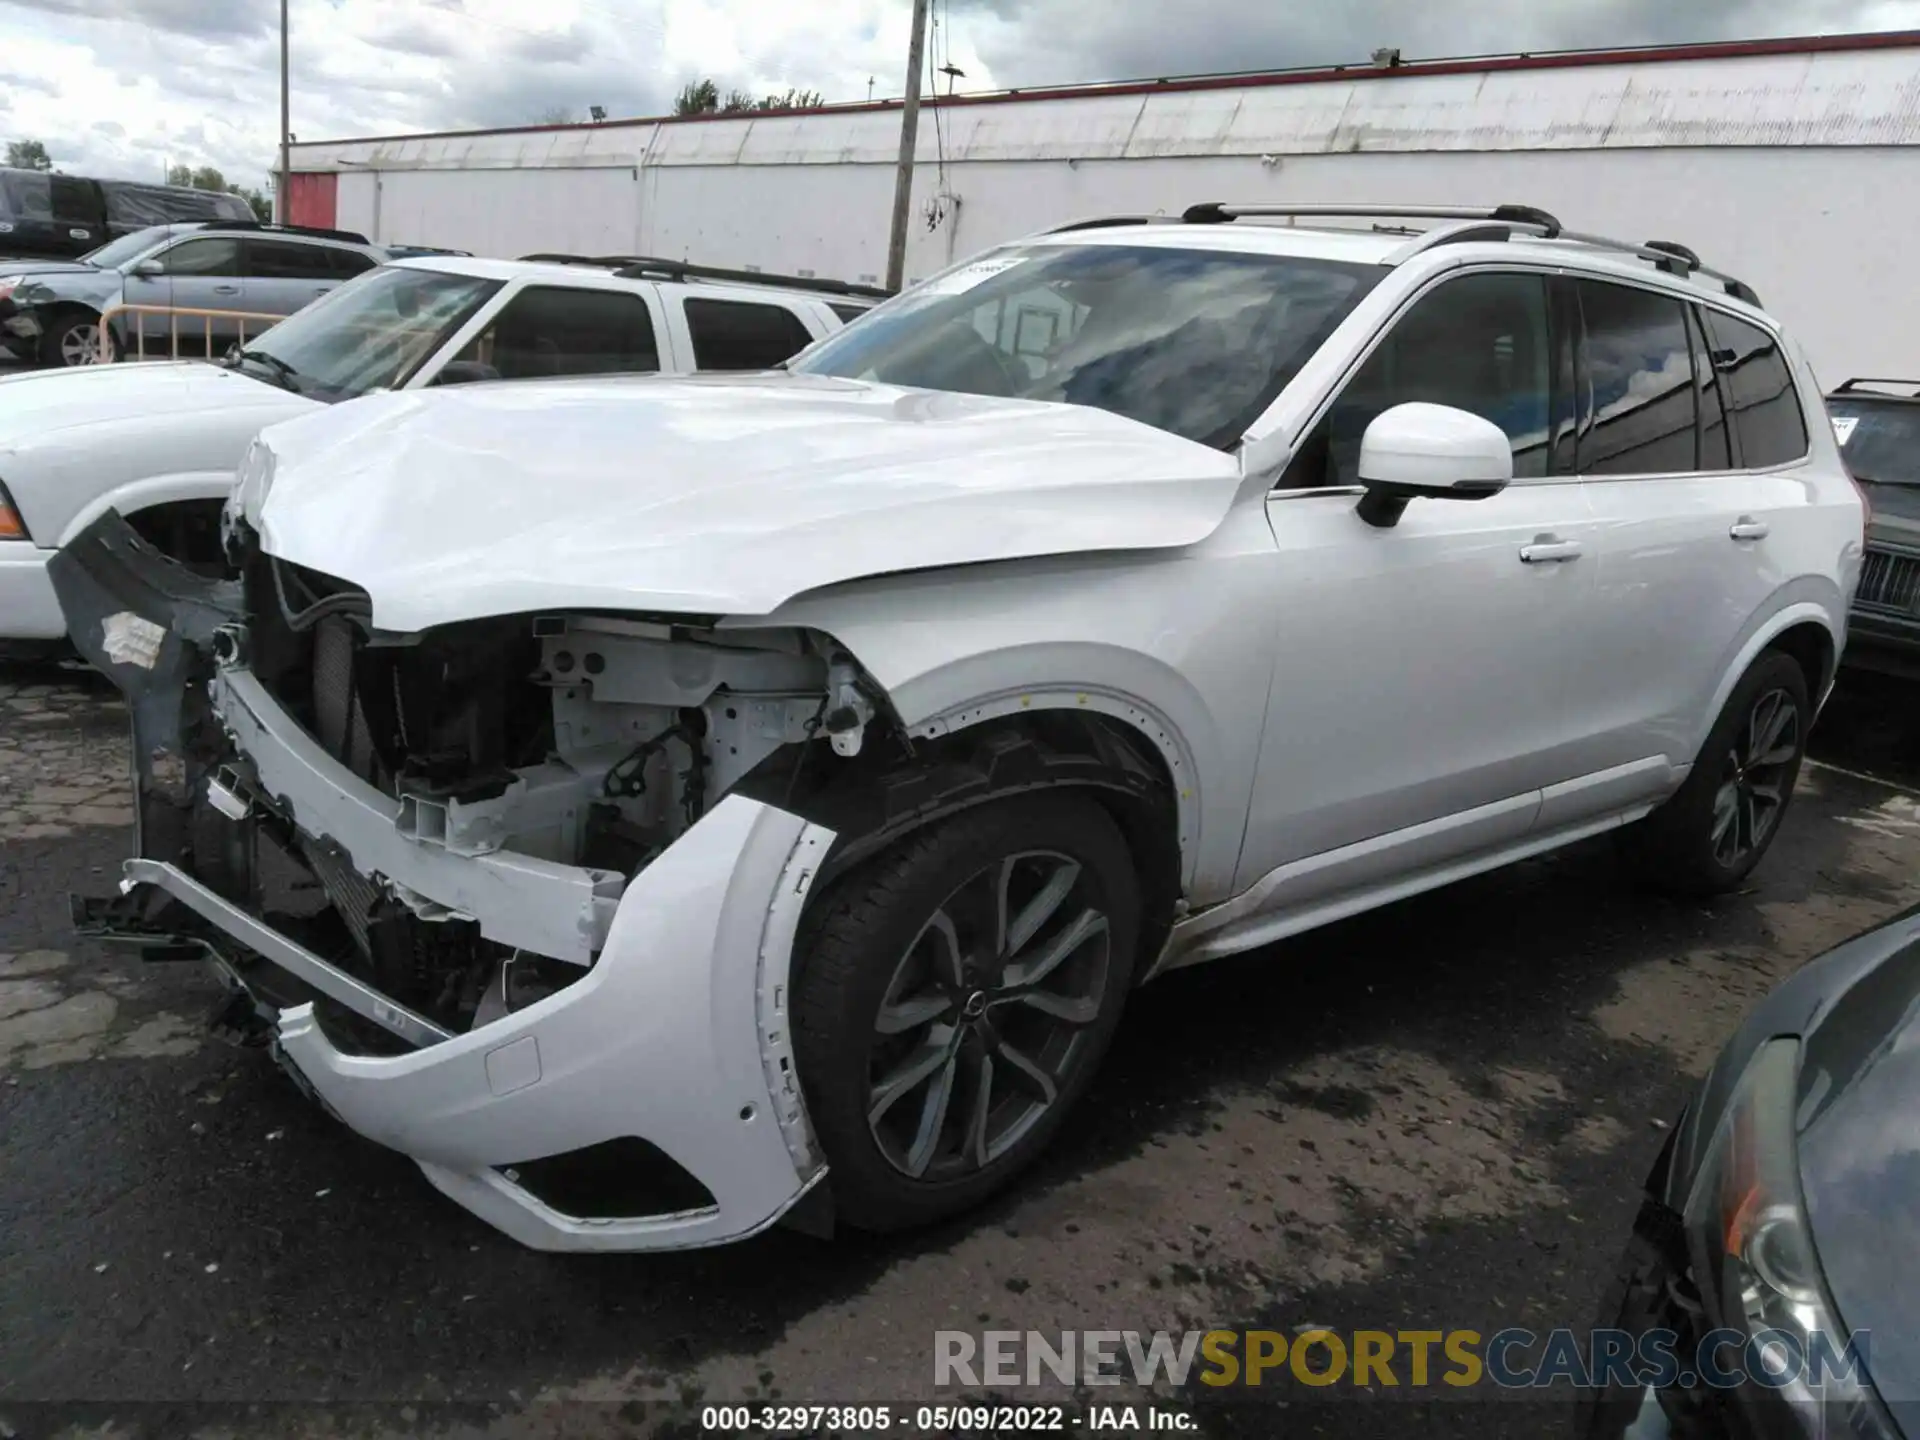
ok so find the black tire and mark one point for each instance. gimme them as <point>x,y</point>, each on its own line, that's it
<point>1683,846</point>
<point>882,921</point>
<point>63,341</point>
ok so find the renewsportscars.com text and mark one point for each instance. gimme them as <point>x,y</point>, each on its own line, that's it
<point>1511,1359</point>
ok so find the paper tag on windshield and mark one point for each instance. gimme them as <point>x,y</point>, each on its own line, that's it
<point>956,282</point>
<point>1843,427</point>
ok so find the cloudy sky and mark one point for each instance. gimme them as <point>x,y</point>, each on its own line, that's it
<point>123,86</point>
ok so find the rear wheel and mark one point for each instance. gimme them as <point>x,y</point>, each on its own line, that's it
<point>956,996</point>
<point>1715,829</point>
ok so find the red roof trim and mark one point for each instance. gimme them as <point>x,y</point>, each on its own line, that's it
<point>1466,65</point>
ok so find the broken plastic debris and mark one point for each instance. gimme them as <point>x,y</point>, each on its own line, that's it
<point>130,640</point>
<point>322,1194</point>
<point>212,1266</point>
<point>101,1268</point>
<point>275,1134</point>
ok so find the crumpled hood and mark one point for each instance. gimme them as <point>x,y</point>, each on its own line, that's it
<point>68,436</point>
<point>708,495</point>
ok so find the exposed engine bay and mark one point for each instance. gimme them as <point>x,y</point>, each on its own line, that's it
<point>504,768</point>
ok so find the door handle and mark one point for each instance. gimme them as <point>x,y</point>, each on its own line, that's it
<point>226,289</point>
<point>1550,550</point>
<point>1748,528</point>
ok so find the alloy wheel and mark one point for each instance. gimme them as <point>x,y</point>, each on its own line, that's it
<point>1755,777</point>
<point>984,1017</point>
<point>80,345</point>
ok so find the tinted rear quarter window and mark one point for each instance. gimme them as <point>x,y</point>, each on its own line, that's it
<point>347,262</point>
<point>739,335</point>
<point>1639,381</point>
<point>1758,386</point>
<point>848,313</point>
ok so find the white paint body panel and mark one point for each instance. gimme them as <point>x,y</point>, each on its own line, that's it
<point>1687,149</point>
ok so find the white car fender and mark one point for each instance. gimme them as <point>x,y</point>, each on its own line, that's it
<point>1789,613</point>
<point>145,493</point>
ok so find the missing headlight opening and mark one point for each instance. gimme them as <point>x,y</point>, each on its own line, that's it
<point>515,774</point>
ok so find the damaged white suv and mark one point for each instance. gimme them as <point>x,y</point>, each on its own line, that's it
<point>661,806</point>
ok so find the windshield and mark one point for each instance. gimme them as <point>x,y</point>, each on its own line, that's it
<point>1880,441</point>
<point>370,333</point>
<point>1197,342</point>
<point>127,247</point>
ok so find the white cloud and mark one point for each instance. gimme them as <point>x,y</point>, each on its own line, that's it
<point>122,87</point>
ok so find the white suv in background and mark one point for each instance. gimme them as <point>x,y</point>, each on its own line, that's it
<point>716,800</point>
<point>159,442</point>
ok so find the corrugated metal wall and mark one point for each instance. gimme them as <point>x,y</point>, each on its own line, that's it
<point>1796,171</point>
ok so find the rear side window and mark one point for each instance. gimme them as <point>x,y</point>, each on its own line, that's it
<point>738,335</point>
<point>347,262</point>
<point>284,260</point>
<point>1767,420</point>
<point>75,202</point>
<point>1640,417</point>
<point>848,313</point>
<point>550,330</point>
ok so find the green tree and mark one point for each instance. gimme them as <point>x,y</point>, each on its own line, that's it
<point>28,155</point>
<point>697,97</point>
<point>206,177</point>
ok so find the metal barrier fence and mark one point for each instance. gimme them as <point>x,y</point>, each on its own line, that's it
<point>106,348</point>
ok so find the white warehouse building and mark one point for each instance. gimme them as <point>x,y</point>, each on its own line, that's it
<point>1793,164</point>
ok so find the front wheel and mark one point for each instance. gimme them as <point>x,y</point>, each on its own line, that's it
<point>1718,825</point>
<point>955,998</point>
<point>72,337</point>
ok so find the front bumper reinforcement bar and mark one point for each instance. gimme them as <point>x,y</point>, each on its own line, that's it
<point>296,960</point>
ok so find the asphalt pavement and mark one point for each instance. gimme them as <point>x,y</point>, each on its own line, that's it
<point>1432,1117</point>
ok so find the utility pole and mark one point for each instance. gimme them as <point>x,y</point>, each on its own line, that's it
<point>281,199</point>
<point>909,136</point>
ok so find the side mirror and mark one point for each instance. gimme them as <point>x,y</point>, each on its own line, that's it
<point>464,372</point>
<point>1418,451</point>
<point>148,269</point>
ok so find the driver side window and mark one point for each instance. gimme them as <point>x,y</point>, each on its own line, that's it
<point>212,256</point>
<point>1479,343</point>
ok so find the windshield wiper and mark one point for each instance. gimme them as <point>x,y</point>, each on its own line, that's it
<point>283,372</point>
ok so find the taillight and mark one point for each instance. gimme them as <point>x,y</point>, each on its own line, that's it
<point>12,527</point>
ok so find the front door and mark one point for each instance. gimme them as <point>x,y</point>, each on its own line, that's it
<point>198,274</point>
<point>1421,699</point>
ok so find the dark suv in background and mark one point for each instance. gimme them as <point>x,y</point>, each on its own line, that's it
<point>53,216</point>
<point>1878,425</point>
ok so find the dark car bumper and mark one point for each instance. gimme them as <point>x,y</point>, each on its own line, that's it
<point>1888,644</point>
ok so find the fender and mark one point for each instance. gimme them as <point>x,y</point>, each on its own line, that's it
<point>147,492</point>
<point>1790,612</point>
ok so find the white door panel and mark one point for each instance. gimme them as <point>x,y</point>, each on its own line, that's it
<point>1423,671</point>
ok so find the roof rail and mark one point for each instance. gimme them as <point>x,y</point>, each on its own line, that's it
<point>645,267</point>
<point>1852,387</point>
<point>1100,222</point>
<point>1215,212</point>
<point>319,232</point>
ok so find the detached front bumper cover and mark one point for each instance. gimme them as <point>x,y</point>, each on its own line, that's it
<point>674,1041</point>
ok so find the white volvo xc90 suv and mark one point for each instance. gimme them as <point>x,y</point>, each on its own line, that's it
<point>665,806</point>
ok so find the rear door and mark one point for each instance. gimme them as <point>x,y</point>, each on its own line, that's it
<point>285,275</point>
<point>1688,460</point>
